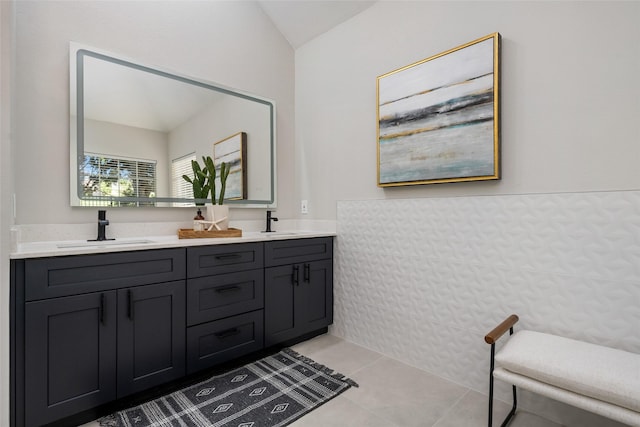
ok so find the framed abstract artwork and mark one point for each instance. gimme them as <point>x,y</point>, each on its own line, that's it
<point>233,151</point>
<point>439,118</point>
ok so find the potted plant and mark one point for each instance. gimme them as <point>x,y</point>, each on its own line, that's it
<point>200,181</point>
<point>218,211</point>
<point>224,174</point>
<point>204,183</point>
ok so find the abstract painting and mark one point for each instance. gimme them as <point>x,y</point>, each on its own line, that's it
<point>438,119</point>
<point>233,151</point>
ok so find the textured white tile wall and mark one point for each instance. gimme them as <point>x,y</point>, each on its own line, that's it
<point>423,280</point>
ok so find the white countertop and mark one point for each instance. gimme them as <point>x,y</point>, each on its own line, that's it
<point>84,247</point>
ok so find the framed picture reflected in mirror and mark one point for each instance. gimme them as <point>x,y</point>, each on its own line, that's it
<point>233,151</point>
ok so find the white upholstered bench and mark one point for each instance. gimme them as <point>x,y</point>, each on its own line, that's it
<point>599,379</point>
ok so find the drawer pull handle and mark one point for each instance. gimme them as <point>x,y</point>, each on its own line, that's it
<point>130,304</point>
<point>227,289</point>
<point>228,256</point>
<point>228,333</point>
<point>102,309</point>
<point>307,273</point>
<point>296,275</point>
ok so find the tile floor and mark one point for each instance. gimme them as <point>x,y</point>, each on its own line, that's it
<point>392,394</point>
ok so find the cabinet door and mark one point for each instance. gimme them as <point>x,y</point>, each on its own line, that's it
<point>314,296</point>
<point>70,361</point>
<point>298,299</point>
<point>279,303</point>
<point>151,336</point>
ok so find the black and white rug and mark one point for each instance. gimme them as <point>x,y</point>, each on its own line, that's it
<point>273,391</point>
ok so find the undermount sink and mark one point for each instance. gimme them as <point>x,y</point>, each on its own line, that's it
<point>281,233</point>
<point>97,244</point>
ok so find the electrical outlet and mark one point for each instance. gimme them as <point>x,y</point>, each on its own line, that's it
<point>304,207</point>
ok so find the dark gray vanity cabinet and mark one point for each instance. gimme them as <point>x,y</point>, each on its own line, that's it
<point>298,288</point>
<point>225,300</point>
<point>87,330</point>
<point>97,328</point>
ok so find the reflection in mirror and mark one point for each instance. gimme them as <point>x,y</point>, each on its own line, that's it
<point>136,129</point>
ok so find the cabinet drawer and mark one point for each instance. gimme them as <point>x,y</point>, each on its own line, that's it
<point>214,297</point>
<point>61,276</point>
<point>219,259</point>
<point>216,342</point>
<point>297,250</point>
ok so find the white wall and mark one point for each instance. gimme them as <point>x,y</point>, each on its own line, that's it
<point>229,42</point>
<point>423,280</point>
<point>6,214</point>
<point>423,272</point>
<point>569,96</point>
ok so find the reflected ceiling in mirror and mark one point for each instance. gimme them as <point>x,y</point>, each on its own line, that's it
<point>135,130</point>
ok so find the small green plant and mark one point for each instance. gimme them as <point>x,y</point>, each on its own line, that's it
<point>225,168</point>
<point>200,182</point>
<point>204,180</point>
<point>224,174</point>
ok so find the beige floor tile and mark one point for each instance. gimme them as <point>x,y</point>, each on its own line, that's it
<point>402,394</point>
<point>471,411</point>
<point>561,412</point>
<point>319,343</point>
<point>341,412</point>
<point>341,356</point>
<point>526,419</point>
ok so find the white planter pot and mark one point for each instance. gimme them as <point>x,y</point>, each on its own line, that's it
<point>218,212</point>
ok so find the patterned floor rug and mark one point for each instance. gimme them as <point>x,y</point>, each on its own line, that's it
<point>274,391</point>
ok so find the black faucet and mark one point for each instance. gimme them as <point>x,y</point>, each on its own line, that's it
<point>102,225</point>
<point>269,219</point>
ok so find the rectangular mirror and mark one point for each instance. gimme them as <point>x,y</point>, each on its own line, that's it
<point>135,129</point>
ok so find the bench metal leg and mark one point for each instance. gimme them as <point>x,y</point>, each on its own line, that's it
<point>510,415</point>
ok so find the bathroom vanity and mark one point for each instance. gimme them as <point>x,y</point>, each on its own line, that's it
<point>88,329</point>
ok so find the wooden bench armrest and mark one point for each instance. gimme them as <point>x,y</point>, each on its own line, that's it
<point>499,330</point>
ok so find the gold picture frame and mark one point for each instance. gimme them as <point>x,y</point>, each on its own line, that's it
<point>438,120</point>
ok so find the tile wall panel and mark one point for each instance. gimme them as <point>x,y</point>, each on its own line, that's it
<point>423,280</point>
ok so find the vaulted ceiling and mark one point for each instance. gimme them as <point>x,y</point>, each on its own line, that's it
<point>300,21</point>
